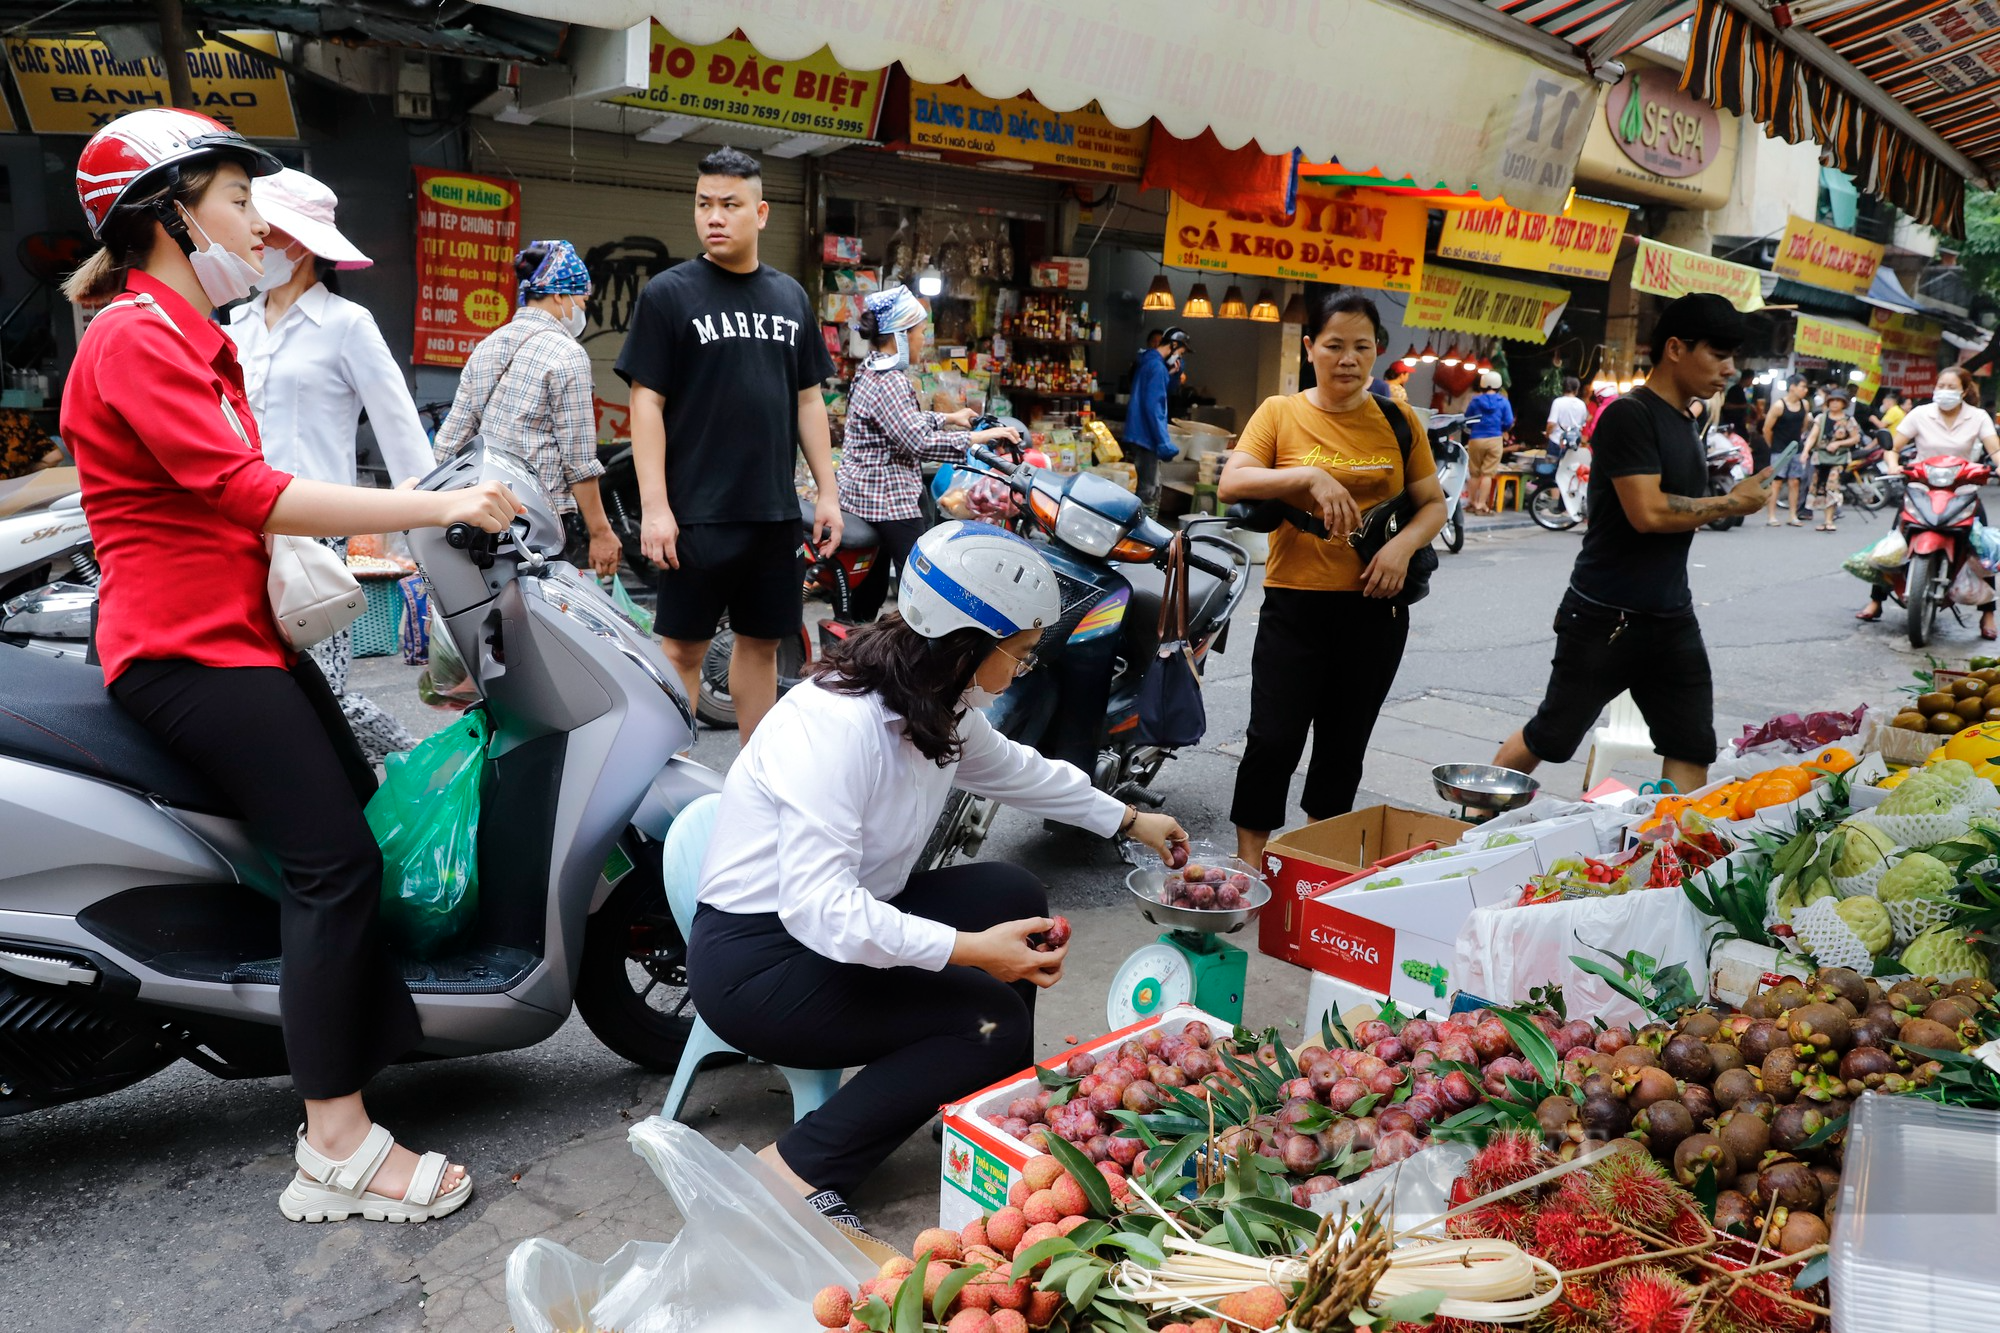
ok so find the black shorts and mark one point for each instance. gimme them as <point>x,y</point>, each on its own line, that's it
<point>751,571</point>
<point>1600,654</point>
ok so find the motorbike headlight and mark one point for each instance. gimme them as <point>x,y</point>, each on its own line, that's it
<point>1087,530</point>
<point>1941,476</point>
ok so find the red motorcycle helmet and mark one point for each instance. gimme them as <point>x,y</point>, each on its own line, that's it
<point>135,149</point>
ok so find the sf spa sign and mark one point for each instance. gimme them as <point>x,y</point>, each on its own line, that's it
<point>1357,238</point>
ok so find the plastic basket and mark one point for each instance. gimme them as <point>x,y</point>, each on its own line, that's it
<point>375,634</point>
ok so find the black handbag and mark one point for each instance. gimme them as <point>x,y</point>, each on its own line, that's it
<point>1385,520</point>
<point>1172,714</point>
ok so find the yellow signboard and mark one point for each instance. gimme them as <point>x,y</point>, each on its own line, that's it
<point>732,80</point>
<point>1826,257</point>
<point>1489,306</point>
<point>1837,340</point>
<point>1580,242</point>
<point>1360,238</point>
<point>1666,270</point>
<point>75,86</point>
<point>1910,334</point>
<point>964,120</point>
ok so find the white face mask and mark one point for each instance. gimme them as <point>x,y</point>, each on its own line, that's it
<point>977,696</point>
<point>224,275</point>
<point>1947,399</point>
<point>278,270</point>
<point>574,321</point>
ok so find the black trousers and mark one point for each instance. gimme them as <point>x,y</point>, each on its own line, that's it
<point>922,1038</point>
<point>1601,653</point>
<point>1324,663</point>
<point>899,538</point>
<point>275,743</point>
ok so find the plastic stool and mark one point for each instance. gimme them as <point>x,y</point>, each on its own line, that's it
<point>1624,734</point>
<point>1502,482</point>
<point>680,864</point>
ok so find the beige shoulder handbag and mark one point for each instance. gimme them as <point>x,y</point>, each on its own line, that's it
<point>313,596</point>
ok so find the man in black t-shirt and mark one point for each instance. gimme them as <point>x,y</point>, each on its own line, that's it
<point>1628,622</point>
<point>725,361</point>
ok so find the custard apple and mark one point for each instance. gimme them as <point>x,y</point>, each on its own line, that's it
<point>1869,920</point>
<point>1944,953</point>
<point>1793,896</point>
<point>1918,875</point>
<point>1923,794</point>
<point>1866,845</point>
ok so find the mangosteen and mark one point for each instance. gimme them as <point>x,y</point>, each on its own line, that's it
<point>1652,1036</point>
<point>1735,1212</point>
<point>1700,1103</point>
<point>1820,1026</point>
<point>1746,1185</point>
<point>1979,988</point>
<point>1664,1124</point>
<point>1701,1023</point>
<point>1601,1085</point>
<point>1760,1006</point>
<point>1747,1135</point>
<point>1794,1124</point>
<point>1733,1085</point>
<point>1844,982</point>
<point>1829,1181</point>
<point>1789,993</point>
<point>1790,1184</point>
<point>1647,1086</point>
<point>1951,1010</point>
<point>1758,1040</point>
<point>1762,1105</point>
<point>1686,1057</point>
<point>1604,1117</point>
<point>1928,1033</point>
<point>1556,1116</point>
<point>1864,1067</point>
<point>1874,1028</point>
<point>1911,997</point>
<point>1801,1231</point>
<point>1780,1069</point>
<point>1635,1057</point>
<point>1724,1056</point>
<point>1697,1151</point>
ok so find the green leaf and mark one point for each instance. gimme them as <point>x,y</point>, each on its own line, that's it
<point>1705,1190</point>
<point>1825,1132</point>
<point>1615,980</point>
<point>1141,1131</point>
<point>1090,1235</point>
<point>874,1314</point>
<point>1083,1285</point>
<point>1168,1169</point>
<point>1284,1214</point>
<point>948,1290</point>
<point>1813,1273</point>
<point>1096,1189</point>
<point>1364,1106</point>
<point>1534,1044</point>
<point>1141,1247</point>
<point>1414,1307</point>
<point>1264,1234</point>
<point>1288,1068</point>
<point>1059,1270</point>
<point>1338,1025</point>
<point>1054,1078</point>
<point>1239,1235</point>
<point>908,1311</point>
<point>1028,1260</point>
<point>1317,1117</point>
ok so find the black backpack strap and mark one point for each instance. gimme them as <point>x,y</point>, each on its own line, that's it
<point>1397,423</point>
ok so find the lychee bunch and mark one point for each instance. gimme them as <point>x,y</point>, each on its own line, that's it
<point>1259,1307</point>
<point>1646,1299</point>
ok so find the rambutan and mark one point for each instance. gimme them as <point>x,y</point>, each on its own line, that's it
<point>1578,1309</point>
<point>1573,1238</point>
<point>1749,1308</point>
<point>1689,1227</point>
<point>1632,1188</point>
<point>1504,1219</point>
<point>1508,1158</point>
<point>1645,1299</point>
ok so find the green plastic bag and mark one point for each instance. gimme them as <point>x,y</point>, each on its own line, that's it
<point>425,817</point>
<point>614,588</point>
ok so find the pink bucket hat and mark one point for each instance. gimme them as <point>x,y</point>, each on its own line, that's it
<point>302,208</point>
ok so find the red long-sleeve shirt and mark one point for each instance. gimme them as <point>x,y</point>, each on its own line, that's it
<point>175,497</point>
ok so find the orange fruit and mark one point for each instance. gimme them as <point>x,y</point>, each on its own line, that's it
<point>1835,760</point>
<point>1771,791</point>
<point>1671,807</point>
<point>1800,779</point>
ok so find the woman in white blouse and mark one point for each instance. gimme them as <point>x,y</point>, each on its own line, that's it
<point>814,946</point>
<point>311,362</point>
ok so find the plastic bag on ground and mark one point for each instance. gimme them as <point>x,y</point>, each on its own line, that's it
<point>741,1264</point>
<point>425,817</point>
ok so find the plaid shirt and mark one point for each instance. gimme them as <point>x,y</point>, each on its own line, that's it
<point>888,437</point>
<point>532,395</point>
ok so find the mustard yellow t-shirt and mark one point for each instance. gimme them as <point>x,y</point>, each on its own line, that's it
<point>1359,449</point>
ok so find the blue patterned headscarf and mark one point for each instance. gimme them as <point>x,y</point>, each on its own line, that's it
<point>562,273</point>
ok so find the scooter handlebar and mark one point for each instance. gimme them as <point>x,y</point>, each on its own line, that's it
<point>1207,566</point>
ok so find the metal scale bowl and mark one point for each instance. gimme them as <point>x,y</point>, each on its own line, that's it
<point>1191,962</point>
<point>1482,791</point>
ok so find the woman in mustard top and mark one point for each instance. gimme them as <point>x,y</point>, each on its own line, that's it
<point>1330,636</point>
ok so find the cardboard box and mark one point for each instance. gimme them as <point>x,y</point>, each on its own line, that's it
<point>1401,941</point>
<point>1307,861</point>
<point>981,1161</point>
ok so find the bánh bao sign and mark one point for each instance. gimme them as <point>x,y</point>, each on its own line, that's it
<point>1361,238</point>
<point>731,80</point>
<point>75,85</point>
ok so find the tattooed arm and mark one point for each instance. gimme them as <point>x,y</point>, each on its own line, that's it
<point>1651,509</point>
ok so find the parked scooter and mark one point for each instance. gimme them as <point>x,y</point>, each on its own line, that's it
<point>1559,498</point>
<point>133,932</point>
<point>1873,481</point>
<point>1729,460</point>
<point>1080,703</point>
<point>1936,520</point>
<point>1453,466</point>
<point>48,574</point>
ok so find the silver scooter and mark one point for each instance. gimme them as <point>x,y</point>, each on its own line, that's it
<point>138,922</point>
<point>48,574</point>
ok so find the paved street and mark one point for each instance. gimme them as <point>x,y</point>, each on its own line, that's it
<point>154,1209</point>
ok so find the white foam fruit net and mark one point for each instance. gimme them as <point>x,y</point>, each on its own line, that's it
<point>1831,941</point>
<point>1923,830</point>
<point>1911,917</point>
<point>1862,885</point>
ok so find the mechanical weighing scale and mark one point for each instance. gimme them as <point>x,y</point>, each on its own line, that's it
<point>1191,962</point>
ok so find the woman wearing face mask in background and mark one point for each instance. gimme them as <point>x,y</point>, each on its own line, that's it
<point>312,362</point>
<point>528,388</point>
<point>814,946</point>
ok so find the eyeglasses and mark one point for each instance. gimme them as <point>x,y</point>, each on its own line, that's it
<point>1022,665</point>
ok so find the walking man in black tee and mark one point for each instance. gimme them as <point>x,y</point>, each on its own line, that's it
<point>1628,622</point>
<point>725,361</point>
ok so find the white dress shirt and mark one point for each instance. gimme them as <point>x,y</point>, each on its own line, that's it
<point>308,379</point>
<point>826,810</point>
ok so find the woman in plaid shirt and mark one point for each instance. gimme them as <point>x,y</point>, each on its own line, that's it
<point>889,436</point>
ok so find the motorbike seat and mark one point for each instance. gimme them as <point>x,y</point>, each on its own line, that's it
<point>855,531</point>
<point>56,711</point>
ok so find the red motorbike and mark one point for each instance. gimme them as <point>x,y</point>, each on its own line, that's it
<point>1939,507</point>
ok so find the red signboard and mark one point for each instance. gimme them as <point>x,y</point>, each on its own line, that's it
<point>468,230</point>
<point>1347,946</point>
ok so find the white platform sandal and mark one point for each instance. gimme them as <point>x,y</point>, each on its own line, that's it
<point>341,1188</point>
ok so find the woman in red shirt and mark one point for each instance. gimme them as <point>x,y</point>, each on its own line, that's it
<point>179,499</point>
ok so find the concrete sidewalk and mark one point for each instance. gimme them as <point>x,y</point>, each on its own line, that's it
<point>595,1194</point>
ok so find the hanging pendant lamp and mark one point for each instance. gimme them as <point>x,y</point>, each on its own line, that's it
<point>1159,296</point>
<point>1198,305</point>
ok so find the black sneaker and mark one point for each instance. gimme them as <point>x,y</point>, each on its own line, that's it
<point>830,1205</point>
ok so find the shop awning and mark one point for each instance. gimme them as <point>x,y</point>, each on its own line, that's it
<point>468,32</point>
<point>1461,96</point>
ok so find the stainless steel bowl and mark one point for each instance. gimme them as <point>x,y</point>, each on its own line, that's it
<point>1146,885</point>
<point>1483,786</point>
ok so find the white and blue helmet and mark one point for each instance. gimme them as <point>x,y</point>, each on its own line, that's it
<point>976,576</point>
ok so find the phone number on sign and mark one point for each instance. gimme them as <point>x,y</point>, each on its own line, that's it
<point>698,104</point>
